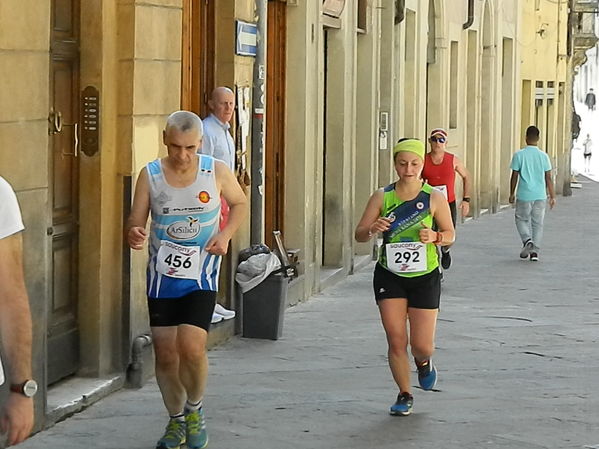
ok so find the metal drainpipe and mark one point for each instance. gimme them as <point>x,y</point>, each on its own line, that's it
<point>470,20</point>
<point>258,124</point>
<point>134,371</point>
<point>400,11</point>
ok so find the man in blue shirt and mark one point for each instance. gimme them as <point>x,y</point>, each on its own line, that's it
<point>531,172</point>
<point>218,142</point>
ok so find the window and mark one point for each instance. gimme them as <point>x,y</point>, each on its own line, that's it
<point>333,8</point>
<point>363,16</point>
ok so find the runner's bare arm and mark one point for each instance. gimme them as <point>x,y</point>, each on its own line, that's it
<point>461,169</point>
<point>135,228</point>
<point>442,216</point>
<point>371,221</point>
<point>233,194</point>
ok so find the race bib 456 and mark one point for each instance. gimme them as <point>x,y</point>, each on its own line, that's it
<point>178,261</point>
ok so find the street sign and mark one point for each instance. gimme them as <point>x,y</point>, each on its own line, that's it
<point>247,38</point>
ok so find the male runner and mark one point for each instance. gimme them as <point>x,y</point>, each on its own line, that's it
<point>440,167</point>
<point>182,190</point>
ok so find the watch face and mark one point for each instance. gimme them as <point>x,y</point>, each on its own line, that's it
<point>30,388</point>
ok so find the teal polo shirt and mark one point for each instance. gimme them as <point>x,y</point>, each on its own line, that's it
<point>531,163</point>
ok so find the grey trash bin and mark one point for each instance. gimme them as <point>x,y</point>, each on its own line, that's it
<point>264,307</point>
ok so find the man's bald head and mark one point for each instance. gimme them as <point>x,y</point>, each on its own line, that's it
<point>218,92</point>
<point>222,103</point>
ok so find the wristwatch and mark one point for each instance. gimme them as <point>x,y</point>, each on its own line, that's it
<point>466,199</point>
<point>27,388</point>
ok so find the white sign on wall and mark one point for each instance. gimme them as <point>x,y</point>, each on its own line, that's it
<point>246,41</point>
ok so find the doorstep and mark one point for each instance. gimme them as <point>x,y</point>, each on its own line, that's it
<point>72,395</point>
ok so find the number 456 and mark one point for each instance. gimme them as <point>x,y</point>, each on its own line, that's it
<point>178,261</point>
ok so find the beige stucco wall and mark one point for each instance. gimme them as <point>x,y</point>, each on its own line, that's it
<point>24,96</point>
<point>131,51</point>
<point>150,90</point>
<point>234,71</point>
<point>388,67</point>
<point>149,65</point>
<point>320,196</point>
<point>476,134</point>
<point>543,47</point>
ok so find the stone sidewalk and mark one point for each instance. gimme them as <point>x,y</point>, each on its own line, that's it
<point>517,352</point>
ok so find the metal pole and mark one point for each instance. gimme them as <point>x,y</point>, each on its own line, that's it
<point>470,20</point>
<point>258,124</point>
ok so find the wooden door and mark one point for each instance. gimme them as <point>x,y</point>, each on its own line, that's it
<point>198,47</point>
<point>275,119</point>
<point>63,331</point>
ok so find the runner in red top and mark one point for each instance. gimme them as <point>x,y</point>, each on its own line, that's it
<point>439,171</point>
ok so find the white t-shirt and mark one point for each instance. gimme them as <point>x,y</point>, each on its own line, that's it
<point>10,222</point>
<point>587,146</point>
<point>10,214</point>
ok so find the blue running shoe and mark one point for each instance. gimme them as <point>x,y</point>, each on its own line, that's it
<point>197,437</point>
<point>427,374</point>
<point>403,405</point>
<point>174,436</point>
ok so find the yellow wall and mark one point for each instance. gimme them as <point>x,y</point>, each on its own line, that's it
<point>543,57</point>
<point>386,71</point>
<point>24,96</point>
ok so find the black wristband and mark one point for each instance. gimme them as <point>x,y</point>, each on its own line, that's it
<point>466,199</point>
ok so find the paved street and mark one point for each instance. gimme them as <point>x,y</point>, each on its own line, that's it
<point>517,352</point>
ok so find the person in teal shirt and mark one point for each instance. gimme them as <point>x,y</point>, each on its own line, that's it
<point>531,174</point>
<point>407,281</point>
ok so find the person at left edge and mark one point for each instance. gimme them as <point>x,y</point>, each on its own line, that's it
<point>16,414</point>
<point>182,191</point>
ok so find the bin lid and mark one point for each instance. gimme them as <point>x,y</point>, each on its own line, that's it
<point>257,248</point>
<point>255,269</point>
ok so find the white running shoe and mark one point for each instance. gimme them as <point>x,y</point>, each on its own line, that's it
<point>225,313</point>
<point>216,318</point>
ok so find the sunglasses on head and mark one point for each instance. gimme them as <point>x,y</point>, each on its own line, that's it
<point>438,139</point>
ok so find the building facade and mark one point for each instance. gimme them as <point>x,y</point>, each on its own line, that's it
<point>376,72</point>
<point>86,87</point>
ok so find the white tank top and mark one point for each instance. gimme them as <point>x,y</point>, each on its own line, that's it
<point>183,221</point>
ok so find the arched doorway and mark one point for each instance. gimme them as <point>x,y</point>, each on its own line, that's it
<point>434,80</point>
<point>488,194</point>
<point>472,117</point>
<point>507,117</point>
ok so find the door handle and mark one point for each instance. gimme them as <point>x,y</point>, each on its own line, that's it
<point>54,122</point>
<point>56,126</point>
<point>75,152</point>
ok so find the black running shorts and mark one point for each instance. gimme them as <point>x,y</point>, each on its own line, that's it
<point>454,213</point>
<point>195,309</point>
<point>454,216</point>
<point>422,292</point>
